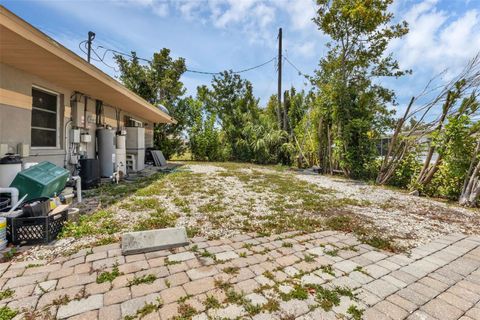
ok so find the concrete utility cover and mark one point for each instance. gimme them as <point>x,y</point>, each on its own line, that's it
<point>152,240</point>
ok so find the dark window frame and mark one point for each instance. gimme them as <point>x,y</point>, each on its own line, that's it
<point>57,118</point>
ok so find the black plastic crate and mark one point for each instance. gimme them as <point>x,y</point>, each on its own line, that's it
<point>34,230</point>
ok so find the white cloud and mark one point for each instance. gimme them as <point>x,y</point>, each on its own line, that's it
<point>437,39</point>
<point>189,9</point>
<point>236,11</point>
<point>305,49</point>
<point>159,7</point>
<point>300,12</point>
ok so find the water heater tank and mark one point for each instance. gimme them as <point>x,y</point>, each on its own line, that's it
<point>106,151</point>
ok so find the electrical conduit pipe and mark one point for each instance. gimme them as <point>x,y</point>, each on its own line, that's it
<point>78,184</point>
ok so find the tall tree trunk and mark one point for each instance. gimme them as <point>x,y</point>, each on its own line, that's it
<point>471,185</point>
<point>286,106</point>
<point>388,164</point>
<point>426,174</point>
<point>329,149</point>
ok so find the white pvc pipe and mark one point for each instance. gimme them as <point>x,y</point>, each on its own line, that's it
<point>13,194</point>
<point>78,184</point>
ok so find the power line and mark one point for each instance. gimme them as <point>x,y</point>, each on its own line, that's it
<point>294,66</point>
<point>188,70</point>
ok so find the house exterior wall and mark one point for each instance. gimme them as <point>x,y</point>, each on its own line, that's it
<point>16,116</point>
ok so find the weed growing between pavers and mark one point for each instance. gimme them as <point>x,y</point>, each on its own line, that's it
<point>231,270</point>
<point>360,269</point>
<point>109,276</point>
<point>169,262</point>
<point>211,302</point>
<point>148,278</point>
<point>299,292</point>
<point>356,313</point>
<point>328,298</point>
<point>308,257</point>
<point>185,312</point>
<point>145,310</point>
<point>6,313</point>
<point>7,293</point>
<point>61,300</point>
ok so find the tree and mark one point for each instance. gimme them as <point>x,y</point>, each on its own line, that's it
<point>413,126</point>
<point>204,138</point>
<point>471,186</point>
<point>353,106</point>
<point>231,99</point>
<point>158,82</point>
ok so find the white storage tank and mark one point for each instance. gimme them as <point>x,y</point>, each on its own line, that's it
<point>9,167</point>
<point>121,156</point>
<point>106,151</point>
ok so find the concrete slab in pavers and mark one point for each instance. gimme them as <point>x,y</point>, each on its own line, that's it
<point>152,240</point>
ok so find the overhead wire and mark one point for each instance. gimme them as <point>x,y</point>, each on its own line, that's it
<point>188,70</point>
<point>100,57</point>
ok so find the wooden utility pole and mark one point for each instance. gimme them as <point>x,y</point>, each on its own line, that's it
<point>279,110</point>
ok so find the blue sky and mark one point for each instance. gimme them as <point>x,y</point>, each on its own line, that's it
<point>214,35</point>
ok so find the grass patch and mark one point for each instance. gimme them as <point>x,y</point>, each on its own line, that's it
<point>157,220</point>
<point>101,222</point>
<point>365,234</point>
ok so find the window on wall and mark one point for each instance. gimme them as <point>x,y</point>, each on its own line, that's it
<point>44,119</point>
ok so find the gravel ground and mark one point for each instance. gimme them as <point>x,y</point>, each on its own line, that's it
<point>218,204</point>
<point>411,219</point>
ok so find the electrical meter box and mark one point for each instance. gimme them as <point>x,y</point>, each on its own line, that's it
<point>86,138</point>
<point>78,116</point>
<point>75,136</point>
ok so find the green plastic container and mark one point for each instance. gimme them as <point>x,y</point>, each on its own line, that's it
<point>42,180</point>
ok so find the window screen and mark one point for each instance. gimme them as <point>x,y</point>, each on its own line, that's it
<point>44,119</point>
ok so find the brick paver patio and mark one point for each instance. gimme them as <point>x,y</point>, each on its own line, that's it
<point>440,280</point>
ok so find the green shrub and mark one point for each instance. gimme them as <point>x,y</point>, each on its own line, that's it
<point>406,171</point>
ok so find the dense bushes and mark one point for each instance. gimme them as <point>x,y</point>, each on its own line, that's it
<point>226,123</point>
